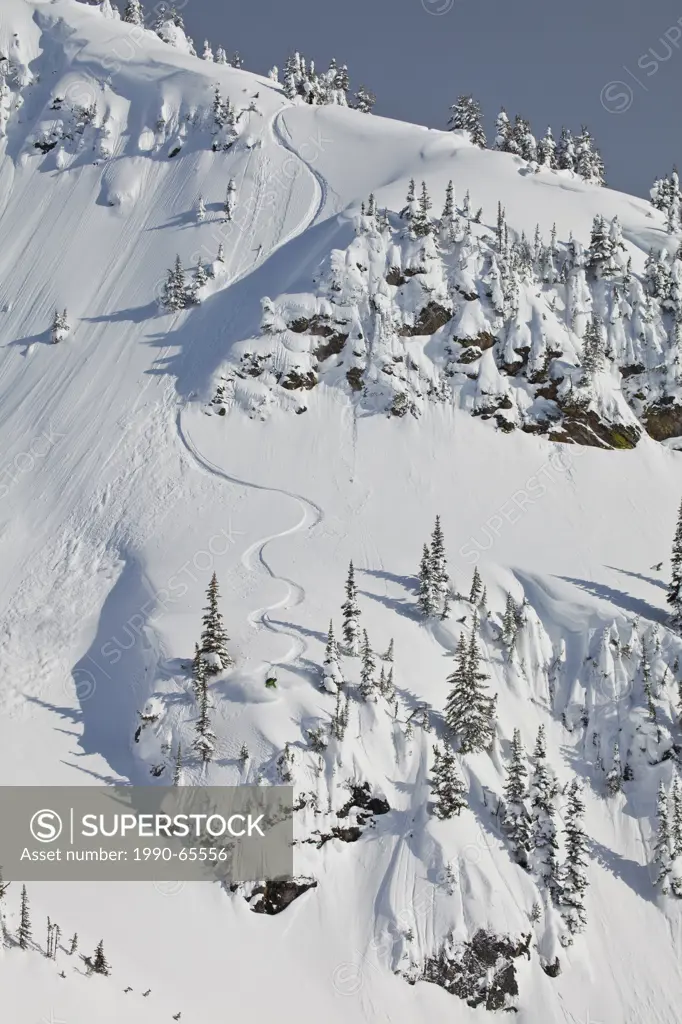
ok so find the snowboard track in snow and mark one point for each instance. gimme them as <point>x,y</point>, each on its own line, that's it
<point>311,516</point>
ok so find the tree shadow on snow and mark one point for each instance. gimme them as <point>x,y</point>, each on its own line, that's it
<point>636,876</point>
<point>639,576</point>
<point>620,598</point>
<point>134,315</point>
<point>410,583</point>
<point>395,604</point>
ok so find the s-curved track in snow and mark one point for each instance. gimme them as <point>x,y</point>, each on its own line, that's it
<point>311,514</point>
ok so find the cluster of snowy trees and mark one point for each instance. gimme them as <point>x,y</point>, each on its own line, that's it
<point>529,821</point>
<point>97,963</point>
<point>571,153</point>
<point>303,81</point>
<point>667,853</point>
<point>375,679</point>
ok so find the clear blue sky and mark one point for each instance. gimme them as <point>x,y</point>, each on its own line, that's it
<point>551,62</point>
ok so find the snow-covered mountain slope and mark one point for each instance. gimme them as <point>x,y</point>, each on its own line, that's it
<point>123,488</point>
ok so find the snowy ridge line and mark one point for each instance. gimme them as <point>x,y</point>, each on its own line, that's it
<point>312,516</point>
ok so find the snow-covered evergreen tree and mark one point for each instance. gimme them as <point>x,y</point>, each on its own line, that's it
<point>230,199</point>
<point>100,964</point>
<point>426,597</point>
<point>674,596</point>
<point>214,638</point>
<point>368,670</point>
<point>440,581</point>
<point>177,769</point>
<point>565,154</point>
<point>60,326</point>
<point>221,55</point>
<point>516,820</point>
<point>207,53</point>
<point>447,784</point>
<point>543,840</point>
<point>204,741</point>
<point>663,852</point>
<point>470,710</point>
<point>201,209</point>
<point>546,150</point>
<point>351,614</point>
<point>364,100</point>
<point>133,13</point>
<point>332,677</point>
<point>614,776</point>
<point>509,624</point>
<point>174,296</point>
<point>476,587</point>
<point>24,920</point>
<point>502,131</point>
<point>574,881</point>
<point>466,116</point>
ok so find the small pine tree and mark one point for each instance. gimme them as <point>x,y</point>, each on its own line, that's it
<point>99,963</point>
<point>60,326</point>
<point>516,818</point>
<point>421,222</point>
<point>214,638</point>
<point>24,920</point>
<point>574,880</point>
<point>201,209</point>
<point>351,614</point>
<point>364,100</point>
<point>447,784</point>
<point>74,944</point>
<point>388,656</point>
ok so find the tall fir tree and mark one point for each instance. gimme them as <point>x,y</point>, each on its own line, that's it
<point>663,853</point>
<point>447,785</point>
<point>332,676</point>
<point>100,964</point>
<point>24,920</point>
<point>368,670</point>
<point>426,596</point>
<point>470,710</point>
<point>214,638</point>
<point>674,596</point>
<point>440,581</point>
<point>476,587</point>
<point>574,881</point>
<point>543,839</point>
<point>351,614</point>
<point>204,741</point>
<point>516,817</point>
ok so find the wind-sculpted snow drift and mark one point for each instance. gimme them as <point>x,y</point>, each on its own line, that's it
<point>313,393</point>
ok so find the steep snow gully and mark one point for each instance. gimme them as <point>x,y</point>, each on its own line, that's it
<point>253,559</point>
